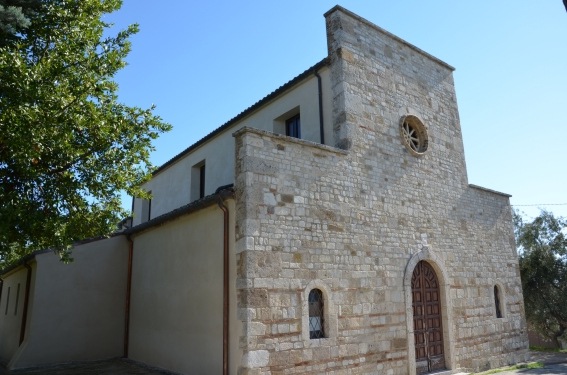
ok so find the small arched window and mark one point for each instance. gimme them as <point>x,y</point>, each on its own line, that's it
<point>316,319</point>
<point>497,301</point>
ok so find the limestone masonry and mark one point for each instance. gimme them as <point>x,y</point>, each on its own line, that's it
<point>354,223</point>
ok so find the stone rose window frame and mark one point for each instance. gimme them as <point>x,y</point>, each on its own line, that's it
<point>414,135</point>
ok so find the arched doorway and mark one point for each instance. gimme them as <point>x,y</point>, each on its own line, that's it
<point>427,319</point>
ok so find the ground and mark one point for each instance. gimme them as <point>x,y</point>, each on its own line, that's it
<point>109,367</point>
<point>555,364</point>
<point>551,369</point>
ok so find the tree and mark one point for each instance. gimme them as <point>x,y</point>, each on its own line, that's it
<point>542,246</point>
<point>67,146</point>
<point>15,18</point>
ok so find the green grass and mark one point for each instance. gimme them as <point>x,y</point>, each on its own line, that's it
<point>512,368</point>
<point>550,350</point>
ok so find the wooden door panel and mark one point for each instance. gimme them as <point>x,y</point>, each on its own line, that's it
<point>427,323</point>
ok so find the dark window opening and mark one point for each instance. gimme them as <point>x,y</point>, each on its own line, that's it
<point>202,181</point>
<point>7,302</point>
<point>197,188</point>
<point>316,319</point>
<point>293,127</point>
<point>146,209</point>
<point>17,300</point>
<point>497,302</point>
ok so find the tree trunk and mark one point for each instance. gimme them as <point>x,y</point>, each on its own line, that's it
<point>558,334</point>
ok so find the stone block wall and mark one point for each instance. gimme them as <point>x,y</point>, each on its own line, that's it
<point>297,229</point>
<point>353,221</point>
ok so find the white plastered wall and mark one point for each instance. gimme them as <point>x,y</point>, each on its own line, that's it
<point>177,294</point>
<point>171,187</point>
<point>76,310</point>
<point>11,309</point>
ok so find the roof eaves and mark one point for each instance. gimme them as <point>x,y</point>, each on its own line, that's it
<point>244,113</point>
<point>23,260</point>
<point>226,191</point>
<point>223,192</point>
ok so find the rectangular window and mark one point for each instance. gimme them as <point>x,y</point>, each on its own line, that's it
<point>17,300</point>
<point>7,302</point>
<point>293,127</point>
<point>198,181</point>
<point>146,209</point>
<point>202,181</point>
<point>288,123</point>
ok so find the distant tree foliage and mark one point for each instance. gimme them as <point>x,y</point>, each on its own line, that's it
<point>67,146</point>
<point>542,249</point>
<point>15,18</point>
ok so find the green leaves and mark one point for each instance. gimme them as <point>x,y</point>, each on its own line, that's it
<point>67,146</point>
<point>542,246</point>
<point>15,18</point>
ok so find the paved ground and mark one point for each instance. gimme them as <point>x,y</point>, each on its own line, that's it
<point>109,367</point>
<point>548,357</point>
<point>555,364</point>
<point>550,369</point>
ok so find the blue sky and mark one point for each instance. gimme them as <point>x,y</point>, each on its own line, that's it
<point>202,63</point>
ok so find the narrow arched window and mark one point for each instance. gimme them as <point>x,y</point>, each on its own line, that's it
<point>316,319</point>
<point>497,302</point>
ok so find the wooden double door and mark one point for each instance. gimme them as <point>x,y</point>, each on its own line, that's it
<point>427,320</point>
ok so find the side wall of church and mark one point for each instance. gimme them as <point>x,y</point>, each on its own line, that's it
<point>176,307</point>
<point>12,289</point>
<point>75,311</point>
<point>352,221</point>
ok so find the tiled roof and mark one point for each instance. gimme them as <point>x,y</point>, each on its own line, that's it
<point>244,113</point>
<point>222,192</point>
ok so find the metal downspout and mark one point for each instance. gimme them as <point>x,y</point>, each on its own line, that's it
<point>26,302</point>
<point>320,92</point>
<point>225,321</point>
<point>1,287</point>
<point>128,293</point>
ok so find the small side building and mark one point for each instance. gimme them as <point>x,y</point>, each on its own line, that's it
<point>51,312</point>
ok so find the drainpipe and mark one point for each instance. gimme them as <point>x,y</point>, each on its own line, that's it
<point>1,287</point>
<point>225,313</point>
<point>128,293</point>
<point>26,302</point>
<point>320,93</point>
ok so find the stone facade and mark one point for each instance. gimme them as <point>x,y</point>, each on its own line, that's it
<point>299,256</point>
<point>355,219</point>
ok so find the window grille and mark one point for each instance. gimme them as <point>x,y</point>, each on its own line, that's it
<point>316,319</point>
<point>414,135</point>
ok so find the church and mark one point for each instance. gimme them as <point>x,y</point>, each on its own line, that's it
<point>328,228</point>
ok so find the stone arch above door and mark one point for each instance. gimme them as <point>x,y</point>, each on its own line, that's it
<point>425,254</point>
